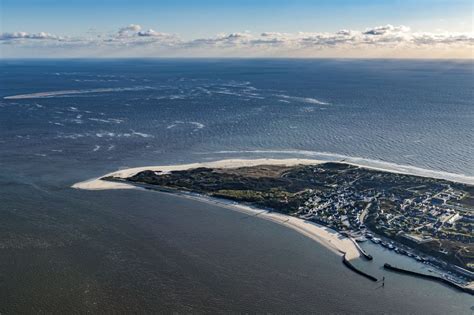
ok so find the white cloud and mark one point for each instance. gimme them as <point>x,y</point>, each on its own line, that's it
<point>25,35</point>
<point>131,40</point>
<point>221,40</point>
<point>442,38</point>
<point>382,30</point>
<point>152,33</point>
<point>134,35</point>
<point>130,29</point>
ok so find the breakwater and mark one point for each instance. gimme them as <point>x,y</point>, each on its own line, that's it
<point>361,250</point>
<point>429,277</point>
<point>353,268</point>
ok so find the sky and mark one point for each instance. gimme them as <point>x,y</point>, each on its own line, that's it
<point>246,28</point>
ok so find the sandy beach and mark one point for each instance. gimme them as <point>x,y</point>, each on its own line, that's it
<point>327,237</point>
<point>98,184</point>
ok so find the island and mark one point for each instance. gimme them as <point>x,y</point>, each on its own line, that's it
<point>428,219</point>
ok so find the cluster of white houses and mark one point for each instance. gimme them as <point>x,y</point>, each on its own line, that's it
<point>420,219</point>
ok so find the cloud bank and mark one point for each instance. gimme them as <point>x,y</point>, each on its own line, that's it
<point>24,35</point>
<point>133,41</point>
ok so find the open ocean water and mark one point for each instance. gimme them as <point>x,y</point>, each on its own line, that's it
<point>64,121</point>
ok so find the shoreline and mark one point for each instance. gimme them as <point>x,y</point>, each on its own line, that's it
<point>98,184</point>
<point>367,163</point>
<point>329,238</point>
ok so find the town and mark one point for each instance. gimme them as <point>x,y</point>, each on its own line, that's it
<point>427,222</point>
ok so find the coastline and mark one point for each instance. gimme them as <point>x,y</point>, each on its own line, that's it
<point>98,184</point>
<point>367,163</point>
<point>331,239</point>
<point>336,242</point>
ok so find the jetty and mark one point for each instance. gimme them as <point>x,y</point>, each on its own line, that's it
<point>430,277</point>
<point>353,268</point>
<point>361,250</point>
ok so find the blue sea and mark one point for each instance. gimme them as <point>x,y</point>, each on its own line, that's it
<point>64,121</point>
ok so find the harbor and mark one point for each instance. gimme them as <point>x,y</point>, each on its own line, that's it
<point>430,277</point>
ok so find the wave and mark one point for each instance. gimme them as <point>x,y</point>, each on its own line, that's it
<point>51,94</point>
<point>196,124</point>
<point>107,121</point>
<point>141,134</point>
<point>104,134</point>
<point>308,100</point>
<point>365,162</point>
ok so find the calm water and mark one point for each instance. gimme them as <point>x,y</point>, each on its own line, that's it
<point>65,250</point>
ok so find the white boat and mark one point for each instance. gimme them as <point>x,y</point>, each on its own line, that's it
<point>376,240</point>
